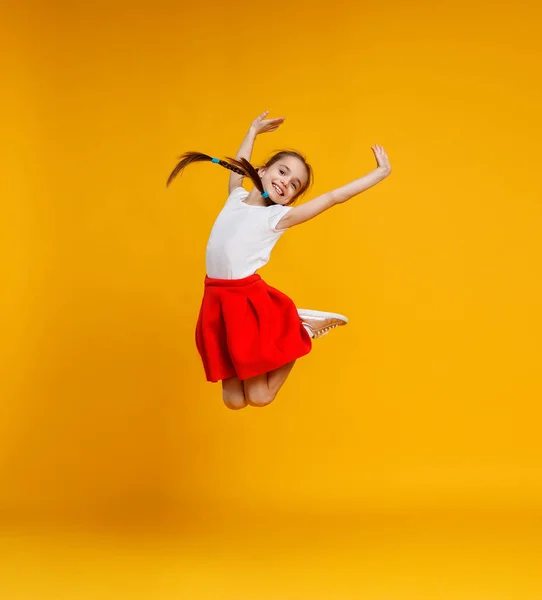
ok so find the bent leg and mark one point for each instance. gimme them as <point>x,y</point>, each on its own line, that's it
<point>233,393</point>
<point>262,389</point>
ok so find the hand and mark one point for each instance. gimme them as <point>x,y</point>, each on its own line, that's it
<point>381,158</point>
<point>263,125</point>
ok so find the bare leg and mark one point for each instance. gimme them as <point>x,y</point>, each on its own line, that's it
<point>233,393</point>
<point>276,378</point>
<point>262,389</point>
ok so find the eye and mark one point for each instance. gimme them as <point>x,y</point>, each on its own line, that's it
<point>281,171</point>
<point>294,186</point>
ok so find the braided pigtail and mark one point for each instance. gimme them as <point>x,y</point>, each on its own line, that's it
<point>187,159</point>
<point>243,167</point>
<point>240,166</point>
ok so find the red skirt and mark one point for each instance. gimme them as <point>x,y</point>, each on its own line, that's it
<point>246,328</point>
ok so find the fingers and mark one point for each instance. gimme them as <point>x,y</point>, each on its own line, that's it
<point>379,150</point>
<point>262,116</point>
<point>265,113</point>
<point>267,125</point>
<point>381,157</point>
<point>275,123</point>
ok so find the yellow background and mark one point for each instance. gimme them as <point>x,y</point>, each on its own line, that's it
<point>424,411</point>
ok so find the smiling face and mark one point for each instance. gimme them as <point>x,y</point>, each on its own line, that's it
<point>284,179</point>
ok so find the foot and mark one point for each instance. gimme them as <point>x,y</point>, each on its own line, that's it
<point>319,323</point>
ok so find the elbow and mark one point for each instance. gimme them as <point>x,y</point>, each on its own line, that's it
<point>336,198</point>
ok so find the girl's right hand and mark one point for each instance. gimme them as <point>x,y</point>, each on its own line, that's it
<point>263,125</point>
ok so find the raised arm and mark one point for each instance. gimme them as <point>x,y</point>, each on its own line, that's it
<point>259,125</point>
<point>313,208</point>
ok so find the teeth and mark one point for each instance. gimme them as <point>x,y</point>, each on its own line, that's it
<point>279,191</point>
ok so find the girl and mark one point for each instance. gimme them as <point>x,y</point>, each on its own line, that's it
<point>248,334</point>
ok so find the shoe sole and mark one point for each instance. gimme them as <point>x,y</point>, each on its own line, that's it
<point>320,313</point>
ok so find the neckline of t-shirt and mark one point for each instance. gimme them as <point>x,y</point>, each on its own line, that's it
<point>244,195</point>
<point>253,205</point>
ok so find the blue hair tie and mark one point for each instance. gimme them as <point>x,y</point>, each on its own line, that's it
<point>265,194</point>
<point>215,160</point>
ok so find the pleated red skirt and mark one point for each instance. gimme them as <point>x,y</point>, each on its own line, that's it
<point>246,328</point>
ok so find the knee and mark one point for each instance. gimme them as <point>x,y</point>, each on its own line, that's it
<point>260,399</point>
<point>234,402</point>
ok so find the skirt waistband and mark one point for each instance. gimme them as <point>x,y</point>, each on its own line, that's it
<point>232,282</point>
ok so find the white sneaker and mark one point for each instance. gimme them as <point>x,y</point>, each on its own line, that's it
<point>318,323</point>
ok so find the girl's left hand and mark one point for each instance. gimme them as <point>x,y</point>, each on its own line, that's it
<point>382,159</point>
<point>263,125</point>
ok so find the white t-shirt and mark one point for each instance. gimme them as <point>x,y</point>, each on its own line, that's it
<point>242,237</point>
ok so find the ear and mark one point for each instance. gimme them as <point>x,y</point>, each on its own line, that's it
<point>261,171</point>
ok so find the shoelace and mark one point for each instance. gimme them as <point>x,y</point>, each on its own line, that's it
<point>325,330</point>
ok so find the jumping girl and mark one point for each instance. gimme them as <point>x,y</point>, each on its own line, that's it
<point>248,334</point>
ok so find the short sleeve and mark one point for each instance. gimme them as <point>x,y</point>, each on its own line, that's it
<point>276,213</point>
